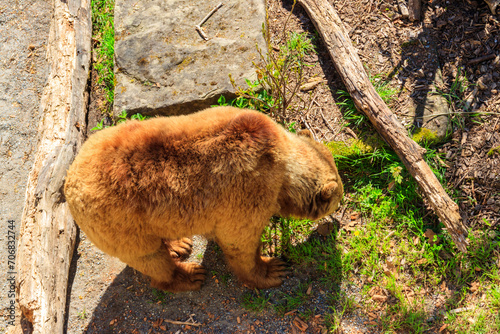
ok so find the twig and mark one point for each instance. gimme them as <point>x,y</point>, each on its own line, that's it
<point>462,309</point>
<point>198,26</point>
<point>308,127</point>
<point>389,235</point>
<point>344,207</point>
<point>326,122</point>
<point>286,21</point>
<point>352,133</point>
<point>310,104</point>
<point>493,130</point>
<point>482,58</point>
<point>321,132</point>
<point>462,112</point>
<point>470,99</point>
<point>182,322</point>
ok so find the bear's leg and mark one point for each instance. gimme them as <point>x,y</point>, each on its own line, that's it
<point>179,249</point>
<point>166,273</point>
<point>243,255</point>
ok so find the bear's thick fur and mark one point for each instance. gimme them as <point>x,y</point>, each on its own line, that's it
<point>221,172</point>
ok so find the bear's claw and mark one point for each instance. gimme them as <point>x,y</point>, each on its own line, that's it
<point>179,249</point>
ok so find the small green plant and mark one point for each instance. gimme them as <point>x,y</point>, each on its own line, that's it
<point>99,126</point>
<point>160,296</point>
<point>396,173</point>
<point>226,278</point>
<point>121,118</point>
<point>279,76</point>
<point>83,314</point>
<point>253,98</point>
<point>455,96</point>
<point>291,127</point>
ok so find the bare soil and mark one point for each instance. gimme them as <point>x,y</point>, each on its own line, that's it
<point>108,297</point>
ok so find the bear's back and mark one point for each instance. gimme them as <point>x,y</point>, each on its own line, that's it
<point>186,162</point>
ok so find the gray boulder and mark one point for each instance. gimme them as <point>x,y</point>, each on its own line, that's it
<point>432,116</point>
<point>164,66</point>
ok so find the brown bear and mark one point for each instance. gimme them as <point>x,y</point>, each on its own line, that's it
<point>221,172</point>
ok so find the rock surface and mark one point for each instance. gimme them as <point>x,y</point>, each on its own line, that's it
<point>164,66</point>
<point>433,114</point>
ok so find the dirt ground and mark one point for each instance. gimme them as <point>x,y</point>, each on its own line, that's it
<point>108,297</point>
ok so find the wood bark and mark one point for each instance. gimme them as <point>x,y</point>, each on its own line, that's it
<point>366,99</point>
<point>415,8</point>
<point>47,233</point>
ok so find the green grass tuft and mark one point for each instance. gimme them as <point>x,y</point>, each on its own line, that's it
<point>104,36</point>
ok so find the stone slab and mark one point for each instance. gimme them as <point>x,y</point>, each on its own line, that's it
<point>164,66</point>
<point>434,113</point>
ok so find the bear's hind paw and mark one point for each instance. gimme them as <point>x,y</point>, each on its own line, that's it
<point>187,277</point>
<point>271,274</point>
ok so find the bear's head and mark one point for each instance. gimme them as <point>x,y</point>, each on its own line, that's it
<point>312,188</point>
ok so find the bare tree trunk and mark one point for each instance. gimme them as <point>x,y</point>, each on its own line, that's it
<point>415,8</point>
<point>47,234</point>
<point>367,100</point>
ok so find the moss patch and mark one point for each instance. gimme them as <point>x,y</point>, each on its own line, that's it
<point>356,146</point>
<point>494,150</point>
<point>425,136</point>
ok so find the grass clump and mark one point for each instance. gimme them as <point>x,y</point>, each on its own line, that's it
<point>254,301</point>
<point>103,35</point>
<point>353,117</point>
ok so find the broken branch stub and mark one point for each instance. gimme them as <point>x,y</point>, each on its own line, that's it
<point>366,99</point>
<point>415,7</point>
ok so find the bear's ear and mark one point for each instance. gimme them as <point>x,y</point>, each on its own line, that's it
<point>305,133</point>
<point>328,190</point>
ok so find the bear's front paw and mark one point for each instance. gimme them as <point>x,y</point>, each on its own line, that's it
<point>179,249</point>
<point>269,274</point>
<point>187,277</point>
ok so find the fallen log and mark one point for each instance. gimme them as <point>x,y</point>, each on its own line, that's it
<point>366,99</point>
<point>47,233</point>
